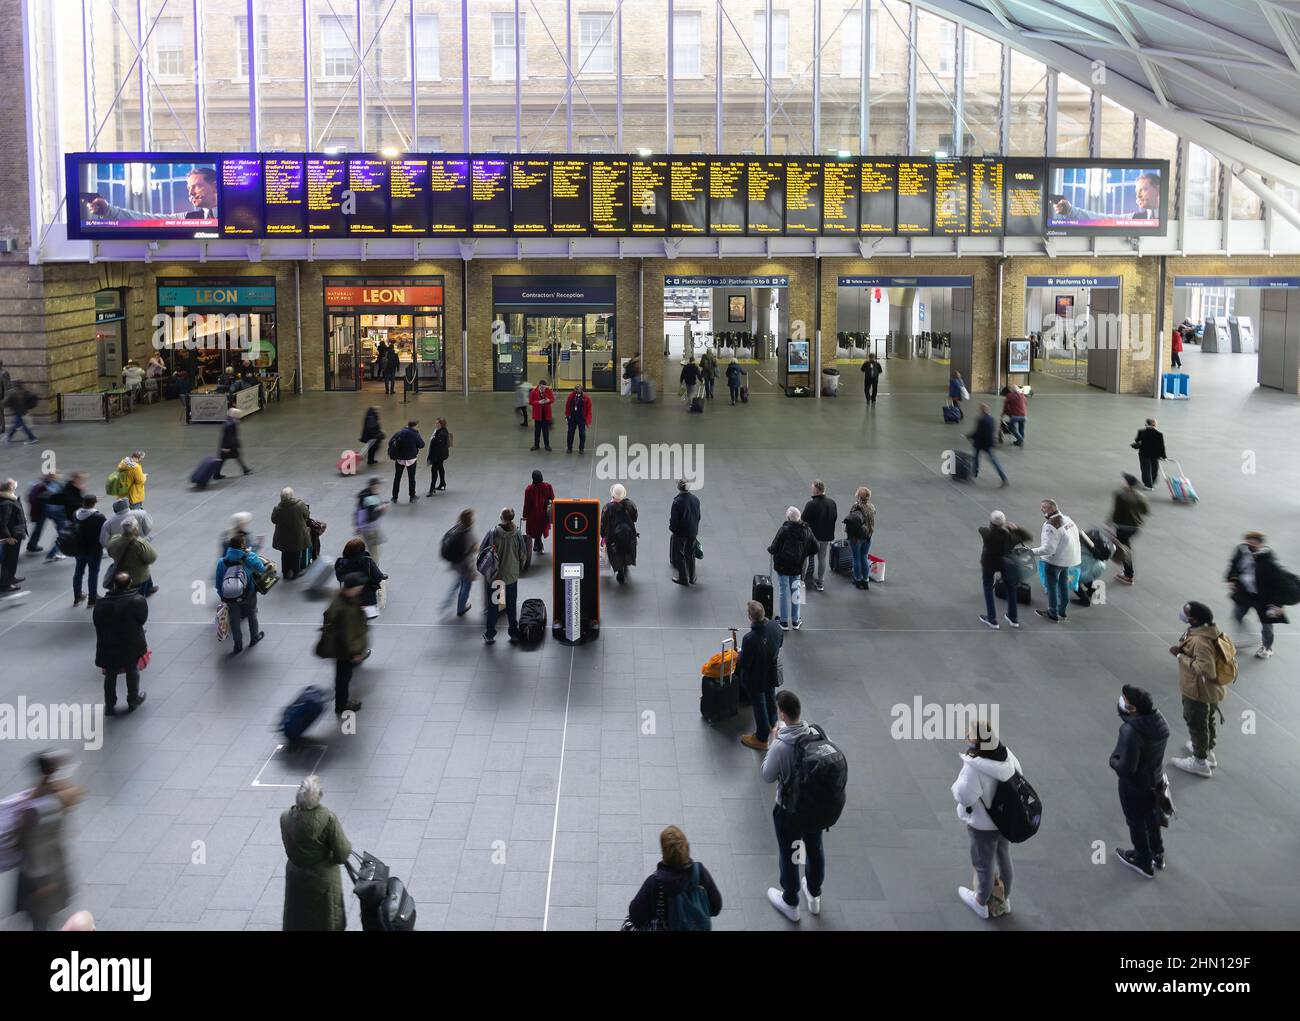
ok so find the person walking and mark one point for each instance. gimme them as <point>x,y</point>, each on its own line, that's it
<point>230,445</point>
<point>1139,764</point>
<point>120,642</point>
<point>365,516</point>
<point>314,848</point>
<point>18,402</point>
<point>345,639</point>
<point>1199,652</point>
<point>1127,513</point>
<point>44,886</point>
<point>13,530</point>
<point>632,373</point>
<point>236,585</point>
<point>820,514</point>
<point>292,536</point>
<point>88,523</point>
<point>371,434</point>
<point>42,495</point>
<point>984,440</point>
<point>502,583</point>
<point>734,372</point>
<point>683,531</point>
<point>658,904</point>
<point>577,412</point>
<point>131,476</point>
<point>872,370</point>
<point>1060,549</point>
<point>357,561</point>
<point>760,674</point>
<point>540,399</point>
<point>459,551</point>
<point>618,532</point>
<point>985,763</point>
<point>708,371</point>
<point>381,362</point>
<point>957,392</point>
<point>439,451</point>
<point>538,497</point>
<point>392,363</point>
<point>690,378</point>
<point>521,402</point>
<point>1176,350</point>
<point>859,528</point>
<point>404,449</point>
<point>1150,445</point>
<point>1000,537</point>
<point>1015,406</point>
<point>240,527</point>
<point>1256,581</point>
<point>131,555</point>
<point>790,550</point>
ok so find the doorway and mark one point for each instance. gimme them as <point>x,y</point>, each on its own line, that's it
<point>1073,325</point>
<point>1238,333</point>
<point>561,329</point>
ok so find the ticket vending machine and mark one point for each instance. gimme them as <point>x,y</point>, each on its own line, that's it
<point>575,582</point>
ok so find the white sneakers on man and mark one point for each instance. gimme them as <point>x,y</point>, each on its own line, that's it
<point>814,903</point>
<point>1209,756</point>
<point>778,901</point>
<point>1193,765</point>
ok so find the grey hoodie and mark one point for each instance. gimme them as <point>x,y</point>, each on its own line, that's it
<point>122,511</point>
<point>778,763</point>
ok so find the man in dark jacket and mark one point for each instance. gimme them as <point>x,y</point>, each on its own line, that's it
<point>820,514</point>
<point>790,550</point>
<point>404,448</point>
<point>684,527</point>
<point>392,362</point>
<point>577,412</point>
<point>371,434</point>
<point>344,639</point>
<point>759,665</point>
<point>120,642</point>
<point>13,530</point>
<point>230,444</point>
<point>1150,445</point>
<point>1258,582</point>
<point>1138,761</point>
<point>291,518</point>
<point>439,451</point>
<point>983,440</point>
<point>17,403</point>
<point>690,378</point>
<point>1000,538</point>
<point>1127,514</point>
<point>89,522</point>
<point>872,370</point>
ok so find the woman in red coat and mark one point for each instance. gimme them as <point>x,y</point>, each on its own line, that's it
<point>537,510</point>
<point>1176,349</point>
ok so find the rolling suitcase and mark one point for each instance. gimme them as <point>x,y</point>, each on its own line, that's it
<point>304,711</point>
<point>841,557</point>
<point>761,593</point>
<point>697,405</point>
<point>1181,489</point>
<point>202,475</point>
<point>951,413</point>
<point>744,395</point>
<point>318,577</point>
<point>963,467</point>
<point>719,692</point>
<point>386,905</point>
<point>647,391</point>
<point>532,621</point>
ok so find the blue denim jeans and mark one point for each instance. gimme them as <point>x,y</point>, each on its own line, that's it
<point>460,589</point>
<point>494,611</point>
<point>57,517</point>
<point>1018,428</point>
<point>20,424</point>
<point>788,832</point>
<point>1010,580</point>
<point>989,453</point>
<point>790,595</point>
<point>861,565</point>
<point>1058,589</point>
<point>764,706</point>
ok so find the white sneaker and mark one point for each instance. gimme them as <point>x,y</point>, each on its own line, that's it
<point>1209,756</point>
<point>989,622</point>
<point>774,896</point>
<point>1012,623</point>
<point>968,898</point>
<point>1195,766</point>
<point>62,556</point>
<point>814,903</point>
<point>1264,653</point>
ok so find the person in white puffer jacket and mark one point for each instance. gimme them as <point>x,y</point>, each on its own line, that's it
<point>1060,550</point>
<point>986,762</point>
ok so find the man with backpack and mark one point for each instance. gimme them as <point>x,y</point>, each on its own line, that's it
<point>129,480</point>
<point>236,583</point>
<point>618,531</point>
<point>790,549</point>
<point>810,775</point>
<point>457,548</point>
<point>1139,762</point>
<point>501,557</point>
<point>760,673</point>
<point>1258,582</point>
<point>987,764</point>
<point>1207,664</point>
<point>680,896</point>
<point>132,555</point>
<point>18,402</point>
<point>404,448</point>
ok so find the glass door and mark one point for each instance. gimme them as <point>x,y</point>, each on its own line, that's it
<point>600,371</point>
<point>429,352</point>
<point>341,365</point>
<point>509,356</point>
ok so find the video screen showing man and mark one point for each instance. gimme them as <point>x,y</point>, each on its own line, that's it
<point>1104,197</point>
<point>142,195</point>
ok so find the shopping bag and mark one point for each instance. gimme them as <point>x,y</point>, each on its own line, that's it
<point>223,623</point>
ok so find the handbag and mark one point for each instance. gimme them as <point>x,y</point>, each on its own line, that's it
<point>699,550</point>
<point>222,623</point>
<point>143,661</point>
<point>658,921</point>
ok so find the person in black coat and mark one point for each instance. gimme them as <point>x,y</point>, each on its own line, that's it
<point>404,448</point>
<point>760,673</point>
<point>356,560</point>
<point>87,523</point>
<point>1000,538</point>
<point>649,909</point>
<point>230,444</point>
<point>391,363</point>
<point>120,641</point>
<point>13,530</point>
<point>1138,760</point>
<point>1150,445</point>
<point>1256,581</point>
<point>790,549</point>
<point>684,527</point>
<point>871,373</point>
<point>439,451</point>
<point>821,515</point>
<point>381,361</point>
<point>371,434</point>
<point>983,440</point>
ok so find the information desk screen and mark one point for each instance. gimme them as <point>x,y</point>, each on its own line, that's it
<point>688,197</point>
<point>877,207</point>
<point>368,181</point>
<point>648,182</point>
<point>987,196</point>
<point>915,197</point>
<point>1024,187</point>
<point>326,181</point>
<point>408,202</point>
<point>286,215</point>
<point>530,196</point>
<point>143,196</point>
<point>803,197</point>
<point>839,198</point>
<point>726,197</point>
<point>489,197</point>
<point>951,196</point>
<point>1107,197</point>
<point>766,190</point>
<point>448,196</point>
<point>570,196</point>
<point>609,196</point>
<point>241,196</point>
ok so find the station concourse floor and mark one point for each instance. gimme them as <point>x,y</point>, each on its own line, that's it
<point>464,751</point>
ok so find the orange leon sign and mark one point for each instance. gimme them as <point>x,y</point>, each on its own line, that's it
<point>384,295</point>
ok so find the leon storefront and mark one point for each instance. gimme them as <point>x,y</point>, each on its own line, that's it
<point>403,313</point>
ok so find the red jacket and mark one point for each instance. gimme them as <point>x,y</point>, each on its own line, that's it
<point>571,407</point>
<point>537,516</point>
<point>541,403</point>
<point>1014,405</point>
<point>1178,341</point>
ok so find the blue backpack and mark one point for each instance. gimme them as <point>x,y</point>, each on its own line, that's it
<point>688,911</point>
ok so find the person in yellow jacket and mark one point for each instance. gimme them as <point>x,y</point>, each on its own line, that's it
<point>134,477</point>
<point>1198,670</point>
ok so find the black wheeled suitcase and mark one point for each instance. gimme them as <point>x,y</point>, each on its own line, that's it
<point>841,557</point>
<point>963,468</point>
<point>202,475</point>
<point>1023,592</point>
<point>386,906</point>
<point>720,696</point>
<point>697,405</point>
<point>761,593</point>
<point>532,621</point>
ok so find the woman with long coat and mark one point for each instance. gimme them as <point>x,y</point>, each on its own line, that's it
<point>371,434</point>
<point>618,531</point>
<point>538,498</point>
<point>316,846</point>
<point>292,536</point>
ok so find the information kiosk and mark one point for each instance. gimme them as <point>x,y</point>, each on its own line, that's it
<point>575,582</point>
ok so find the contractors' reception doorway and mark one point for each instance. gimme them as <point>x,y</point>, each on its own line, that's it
<point>561,329</point>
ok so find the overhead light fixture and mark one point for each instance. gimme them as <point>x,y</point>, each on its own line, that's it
<point>333,150</point>
<point>389,153</point>
<point>643,152</point>
<point>843,154</point>
<point>939,154</point>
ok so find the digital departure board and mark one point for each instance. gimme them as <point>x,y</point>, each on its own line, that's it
<point>803,197</point>
<point>408,196</point>
<point>448,196</point>
<point>839,198</point>
<point>726,197</point>
<point>766,190</point>
<point>915,191</point>
<point>368,182</point>
<point>326,180</point>
<point>648,193</point>
<point>878,200</point>
<point>489,197</point>
<point>609,196</point>
<point>571,196</point>
<point>987,196</point>
<point>688,211</point>
<point>285,193</point>
<point>241,196</point>
<point>1024,189</point>
<point>951,197</point>
<point>530,196</point>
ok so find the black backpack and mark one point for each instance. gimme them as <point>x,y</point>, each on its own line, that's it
<point>392,447</point>
<point>855,523</point>
<point>452,548</point>
<point>815,792</point>
<point>622,536</point>
<point>1017,810</point>
<point>791,549</point>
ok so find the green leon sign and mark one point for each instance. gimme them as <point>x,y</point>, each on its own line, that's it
<point>216,296</point>
<point>430,346</point>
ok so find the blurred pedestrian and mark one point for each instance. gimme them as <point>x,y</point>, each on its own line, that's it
<point>230,446</point>
<point>43,882</point>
